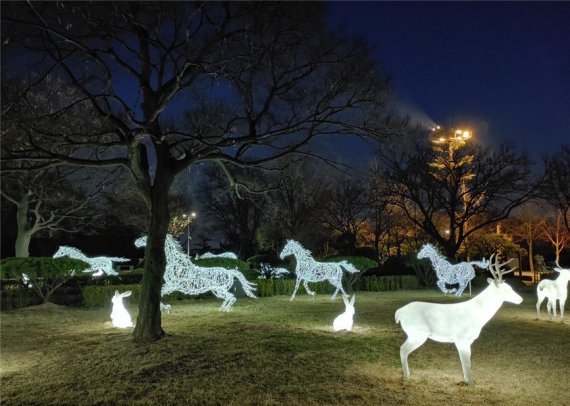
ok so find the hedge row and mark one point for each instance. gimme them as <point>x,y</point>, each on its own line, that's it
<point>388,283</point>
<point>275,287</point>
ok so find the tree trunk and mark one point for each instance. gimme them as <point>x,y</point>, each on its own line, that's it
<point>148,327</point>
<point>24,233</point>
<point>530,258</point>
<point>23,243</point>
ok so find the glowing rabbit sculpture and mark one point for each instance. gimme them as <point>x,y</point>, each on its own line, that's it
<point>120,317</point>
<point>345,320</point>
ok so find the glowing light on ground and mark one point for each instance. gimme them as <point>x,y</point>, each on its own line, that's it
<point>309,270</point>
<point>104,264</point>
<point>182,275</point>
<point>450,274</point>
<point>458,323</point>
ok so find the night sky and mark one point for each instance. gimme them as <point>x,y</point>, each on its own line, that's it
<point>501,68</point>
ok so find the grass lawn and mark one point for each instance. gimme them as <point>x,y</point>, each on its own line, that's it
<point>276,352</point>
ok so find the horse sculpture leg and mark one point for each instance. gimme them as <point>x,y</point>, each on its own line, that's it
<point>338,287</point>
<point>296,287</point>
<point>442,287</point>
<point>309,291</point>
<point>462,287</point>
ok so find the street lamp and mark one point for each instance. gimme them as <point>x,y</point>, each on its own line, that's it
<point>190,218</point>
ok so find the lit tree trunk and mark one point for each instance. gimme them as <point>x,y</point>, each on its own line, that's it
<point>148,327</point>
<point>24,232</point>
<point>530,256</point>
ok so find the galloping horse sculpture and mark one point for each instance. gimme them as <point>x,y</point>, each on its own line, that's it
<point>450,274</point>
<point>309,270</point>
<point>183,275</point>
<point>104,264</point>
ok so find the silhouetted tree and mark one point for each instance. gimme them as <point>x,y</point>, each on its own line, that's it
<point>452,197</point>
<point>257,82</point>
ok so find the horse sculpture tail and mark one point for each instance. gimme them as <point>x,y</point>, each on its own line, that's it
<point>248,286</point>
<point>118,259</point>
<point>348,267</point>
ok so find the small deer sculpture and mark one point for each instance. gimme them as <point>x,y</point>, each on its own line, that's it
<point>553,290</point>
<point>458,323</point>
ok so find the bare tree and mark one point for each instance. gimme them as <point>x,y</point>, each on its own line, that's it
<point>555,186</point>
<point>475,187</point>
<point>527,224</point>
<point>257,81</point>
<point>554,230</point>
<point>50,201</point>
<point>346,212</point>
<point>236,219</point>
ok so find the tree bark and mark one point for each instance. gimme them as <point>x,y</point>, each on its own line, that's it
<point>24,233</point>
<point>148,327</point>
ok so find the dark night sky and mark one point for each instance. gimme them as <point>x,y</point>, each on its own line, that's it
<point>501,68</point>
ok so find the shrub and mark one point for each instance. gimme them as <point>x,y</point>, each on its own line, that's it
<point>388,283</point>
<point>43,275</point>
<point>100,296</point>
<point>276,287</point>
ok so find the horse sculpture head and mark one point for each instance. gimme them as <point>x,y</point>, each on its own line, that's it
<point>170,242</point>
<point>426,251</point>
<point>291,248</point>
<point>140,242</point>
<point>65,251</point>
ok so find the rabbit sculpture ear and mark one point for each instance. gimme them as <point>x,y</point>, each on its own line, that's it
<point>353,299</point>
<point>125,294</point>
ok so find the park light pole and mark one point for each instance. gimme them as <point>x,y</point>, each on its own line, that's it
<point>446,142</point>
<point>190,218</point>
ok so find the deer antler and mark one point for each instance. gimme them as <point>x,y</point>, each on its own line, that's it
<point>495,267</point>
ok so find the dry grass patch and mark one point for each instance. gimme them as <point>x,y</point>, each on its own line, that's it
<point>274,352</point>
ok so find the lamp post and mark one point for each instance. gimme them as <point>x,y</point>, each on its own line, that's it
<point>190,217</point>
<point>448,141</point>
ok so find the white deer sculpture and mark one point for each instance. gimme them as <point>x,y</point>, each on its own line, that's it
<point>458,323</point>
<point>553,290</point>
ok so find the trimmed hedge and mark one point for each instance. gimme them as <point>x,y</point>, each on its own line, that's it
<point>100,296</point>
<point>361,263</point>
<point>275,287</point>
<point>388,283</point>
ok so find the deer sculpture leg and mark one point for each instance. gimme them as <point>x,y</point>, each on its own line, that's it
<point>551,308</point>
<point>538,303</point>
<point>562,302</point>
<point>464,350</point>
<point>410,345</point>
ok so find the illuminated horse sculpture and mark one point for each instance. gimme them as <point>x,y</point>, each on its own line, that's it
<point>104,264</point>
<point>184,276</point>
<point>450,274</point>
<point>309,270</point>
